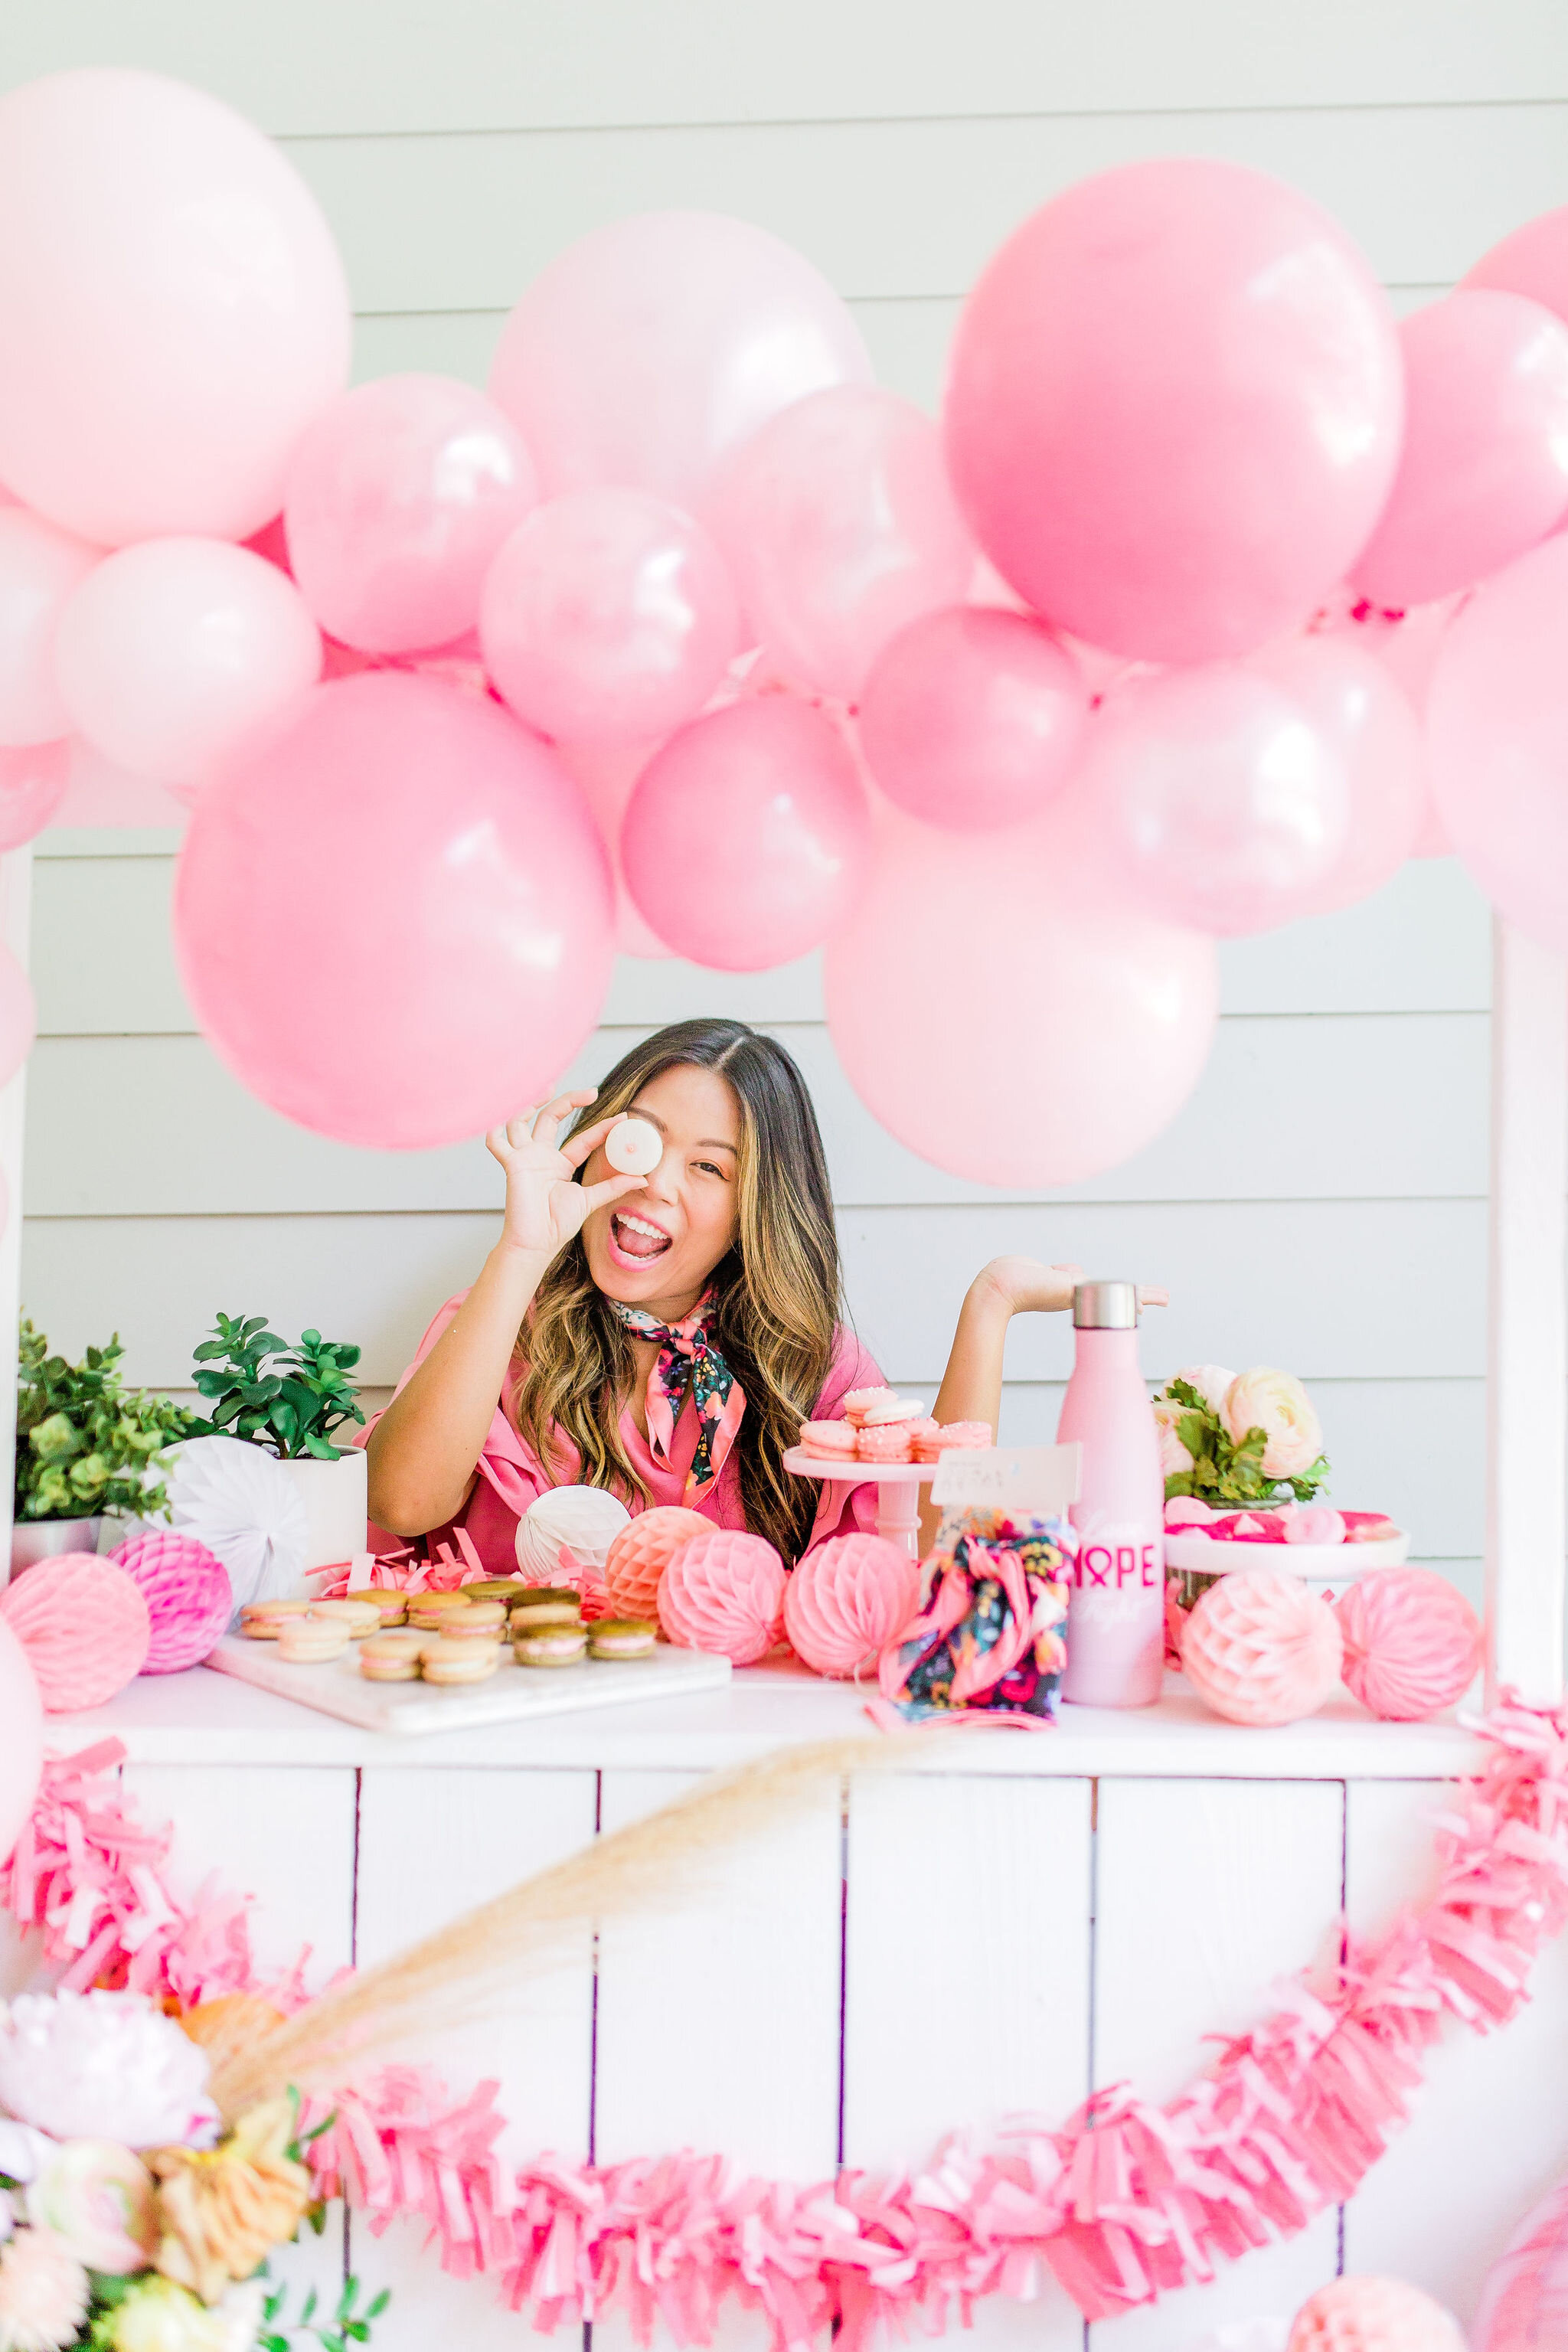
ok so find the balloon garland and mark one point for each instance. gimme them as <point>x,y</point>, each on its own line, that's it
<point>1124,2203</point>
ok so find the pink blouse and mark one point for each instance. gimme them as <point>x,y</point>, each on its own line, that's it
<point>511,1475</point>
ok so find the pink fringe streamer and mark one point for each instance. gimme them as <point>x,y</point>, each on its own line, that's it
<point>1124,2203</point>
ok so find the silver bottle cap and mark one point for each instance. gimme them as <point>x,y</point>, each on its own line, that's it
<point>1105,1307</point>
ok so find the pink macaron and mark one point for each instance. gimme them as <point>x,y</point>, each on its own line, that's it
<point>827,1441</point>
<point>885,1441</point>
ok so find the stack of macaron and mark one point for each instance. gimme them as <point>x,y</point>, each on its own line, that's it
<point>547,1630</point>
<point>879,1426</point>
<point>446,1637</point>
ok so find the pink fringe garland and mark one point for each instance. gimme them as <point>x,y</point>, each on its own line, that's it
<point>1124,2203</point>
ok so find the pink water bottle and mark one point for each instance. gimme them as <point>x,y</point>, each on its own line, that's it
<point>1116,1607</point>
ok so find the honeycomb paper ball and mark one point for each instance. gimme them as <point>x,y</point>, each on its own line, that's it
<point>847,1600</point>
<point>187,1594</point>
<point>1412,1642</point>
<point>639,1555</point>
<point>84,1626</point>
<point>1374,2314</point>
<point>724,1594</point>
<point>584,1519</point>
<point>1260,1648</point>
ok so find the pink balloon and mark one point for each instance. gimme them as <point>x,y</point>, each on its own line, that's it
<point>171,652</point>
<point>1215,801</point>
<point>1173,408</point>
<point>1532,260</point>
<point>840,528</point>
<point>18,1017</point>
<point>653,346</point>
<point>973,718</point>
<point>1497,730</point>
<point>1066,1033</point>
<point>746,837</point>
<point>1358,712</point>
<point>399,496</point>
<point>1483,473</point>
<point>22,1750</point>
<point>33,780</point>
<point>392,914</point>
<point>608,618</point>
<point>40,567</point>
<point>173,310</point>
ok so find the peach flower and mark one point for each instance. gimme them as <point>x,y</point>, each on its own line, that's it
<point>225,2209</point>
<point>1211,1381</point>
<point>1175,1459</point>
<point>43,2292</point>
<point>98,2197</point>
<point>1277,1403</point>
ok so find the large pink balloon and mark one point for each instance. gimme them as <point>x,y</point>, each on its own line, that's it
<point>1497,732</point>
<point>973,718</point>
<point>1173,410</point>
<point>172,652</point>
<point>173,310</point>
<point>746,837</point>
<point>1059,1037</point>
<point>399,496</point>
<point>1483,473</point>
<point>1532,260</point>
<point>652,347</point>
<point>22,1747</point>
<point>40,567</point>
<point>1355,707</point>
<point>840,528</point>
<point>33,780</point>
<point>608,618</point>
<point>393,915</point>
<point>1216,801</point>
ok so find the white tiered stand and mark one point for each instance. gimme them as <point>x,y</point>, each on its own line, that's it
<point>1022,1918</point>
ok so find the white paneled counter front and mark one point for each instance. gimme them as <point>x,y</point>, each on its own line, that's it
<point>1017,1917</point>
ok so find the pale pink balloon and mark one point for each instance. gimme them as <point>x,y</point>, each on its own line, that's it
<point>1173,408</point>
<point>1063,1036</point>
<point>606,778</point>
<point>1497,730</point>
<point>1355,707</point>
<point>1483,473</point>
<point>33,780</point>
<point>399,496</point>
<point>1532,260</point>
<point>840,528</point>
<point>392,914</point>
<point>39,566</point>
<point>173,310</point>
<point>608,618</point>
<point>746,837</point>
<point>22,1750</point>
<point>1406,644</point>
<point>171,653</point>
<point>653,346</point>
<point>18,1017</point>
<point>1216,801</point>
<point>973,718</point>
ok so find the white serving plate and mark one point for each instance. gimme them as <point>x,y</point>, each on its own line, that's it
<point>1321,1563</point>
<point>513,1694</point>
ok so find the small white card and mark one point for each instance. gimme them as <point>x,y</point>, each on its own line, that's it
<point>1041,1480</point>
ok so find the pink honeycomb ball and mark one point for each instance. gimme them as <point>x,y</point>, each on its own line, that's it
<point>1259,1648</point>
<point>1374,2314</point>
<point>636,1562</point>
<point>846,1600</point>
<point>1412,1642</point>
<point>187,1594</point>
<point>723,1594</point>
<point>84,1626</point>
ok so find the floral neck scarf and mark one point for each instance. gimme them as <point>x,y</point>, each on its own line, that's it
<point>687,1361</point>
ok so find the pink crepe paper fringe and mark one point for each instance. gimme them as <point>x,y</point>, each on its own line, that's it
<point>402,1573</point>
<point>1123,2204</point>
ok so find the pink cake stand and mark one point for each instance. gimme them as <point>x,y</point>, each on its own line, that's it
<point>898,1485</point>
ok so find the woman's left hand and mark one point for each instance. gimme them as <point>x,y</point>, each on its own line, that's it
<point>1026,1287</point>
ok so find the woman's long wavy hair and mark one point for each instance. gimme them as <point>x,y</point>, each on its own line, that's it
<point>776,1292</point>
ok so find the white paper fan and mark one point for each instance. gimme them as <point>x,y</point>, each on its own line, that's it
<point>242,1503</point>
<point>584,1519</point>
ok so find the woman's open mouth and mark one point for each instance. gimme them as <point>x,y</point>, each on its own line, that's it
<point>636,1242</point>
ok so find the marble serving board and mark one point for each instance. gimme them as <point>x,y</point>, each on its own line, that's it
<point>513,1694</point>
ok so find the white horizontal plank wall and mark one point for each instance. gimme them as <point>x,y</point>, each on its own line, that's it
<point>1320,1202</point>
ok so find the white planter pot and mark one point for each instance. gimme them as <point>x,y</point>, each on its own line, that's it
<point>334,1494</point>
<point>36,1539</point>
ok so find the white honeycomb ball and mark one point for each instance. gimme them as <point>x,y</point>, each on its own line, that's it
<point>584,1519</point>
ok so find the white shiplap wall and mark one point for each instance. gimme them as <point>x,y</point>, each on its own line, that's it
<point>1320,1203</point>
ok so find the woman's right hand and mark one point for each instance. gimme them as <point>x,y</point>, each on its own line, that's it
<point>545,1208</point>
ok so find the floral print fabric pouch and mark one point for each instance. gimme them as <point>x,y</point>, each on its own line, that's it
<point>989,1641</point>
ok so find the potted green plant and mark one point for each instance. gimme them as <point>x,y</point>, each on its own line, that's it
<point>290,1401</point>
<point>86,1446</point>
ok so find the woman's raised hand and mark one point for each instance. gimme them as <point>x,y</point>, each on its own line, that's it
<point>545,1208</point>
<point>1029,1287</point>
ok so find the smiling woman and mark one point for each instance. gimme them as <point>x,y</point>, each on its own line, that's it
<point>660,1335</point>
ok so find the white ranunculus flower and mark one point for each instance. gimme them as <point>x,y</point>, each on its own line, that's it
<point>1277,1403</point>
<point>1211,1381</point>
<point>1175,1459</point>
